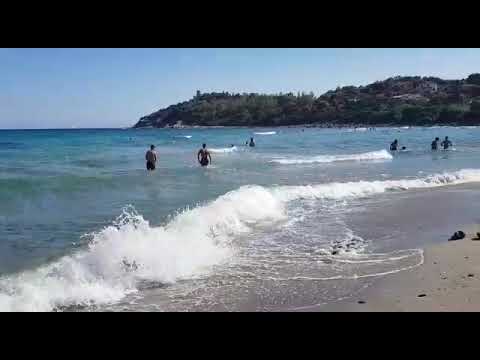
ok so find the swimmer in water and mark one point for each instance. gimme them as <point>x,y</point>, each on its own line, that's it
<point>204,156</point>
<point>251,144</point>
<point>394,145</point>
<point>446,143</point>
<point>435,144</point>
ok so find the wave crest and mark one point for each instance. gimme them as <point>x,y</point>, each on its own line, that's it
<point>223,150</point>
<point>373,155</point>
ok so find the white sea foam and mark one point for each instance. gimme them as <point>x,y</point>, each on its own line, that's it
<point>185,136</point>
<point>130,251</point>
<point>365,188</point>
<point>413,255</point>
<point>223,150</point>
<point>121,257</point>
<point>266,133</point>
<point>373,155</point>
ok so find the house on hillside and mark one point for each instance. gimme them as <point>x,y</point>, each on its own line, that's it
<point>409,97</point>
<point>428,87</point>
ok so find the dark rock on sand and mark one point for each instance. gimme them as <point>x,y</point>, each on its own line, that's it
<point>422,295</point>
<point>457,236</point>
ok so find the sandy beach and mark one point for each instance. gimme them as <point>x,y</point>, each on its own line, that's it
<point>448,280</point>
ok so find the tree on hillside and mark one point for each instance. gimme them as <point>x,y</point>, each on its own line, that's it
<point>475,107</point>
<point>474,79</point>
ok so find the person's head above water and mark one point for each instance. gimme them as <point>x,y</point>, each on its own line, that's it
<point>251,139</point>
<point>152,147</point>
<point>436,139</point>
<point>446,137</point>
<point>395,141</point>
<point>204,146</point>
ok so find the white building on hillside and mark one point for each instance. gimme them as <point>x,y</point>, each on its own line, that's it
<point>429,86</point>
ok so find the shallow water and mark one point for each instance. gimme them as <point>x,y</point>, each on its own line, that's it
<point>305,217</point>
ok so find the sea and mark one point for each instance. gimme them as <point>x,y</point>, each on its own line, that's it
<point>307,217</point>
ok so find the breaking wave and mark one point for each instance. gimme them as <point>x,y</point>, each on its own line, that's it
<point>123,256</point>
<point>373,155</point>
<point>266,133</point>
<point>223,150</point>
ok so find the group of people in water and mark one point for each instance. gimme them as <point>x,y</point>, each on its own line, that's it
<point>446,143</point>
<point>203,156</point>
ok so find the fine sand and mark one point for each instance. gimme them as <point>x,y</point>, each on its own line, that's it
<point>448,280</point>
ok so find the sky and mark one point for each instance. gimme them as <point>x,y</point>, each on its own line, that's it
<point>91,88</point>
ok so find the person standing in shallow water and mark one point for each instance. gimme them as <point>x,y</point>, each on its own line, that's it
<point>446,143</point>
<point>394,145</point>
<point>151,157</point>
<point>204,156</point>
<point>435,144</point>
<point>252,144</point>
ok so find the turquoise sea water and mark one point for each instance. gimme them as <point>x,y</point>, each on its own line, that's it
<point>82,223</point>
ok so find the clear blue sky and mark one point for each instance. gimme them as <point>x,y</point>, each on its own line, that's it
<point>50,88</point>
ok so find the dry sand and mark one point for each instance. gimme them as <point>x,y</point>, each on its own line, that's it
<point>448,280</point>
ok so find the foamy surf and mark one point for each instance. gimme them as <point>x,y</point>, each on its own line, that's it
<point>223,150</point>
<point>358,189</point>
<point>265,133</point>
<point>121,257</point>
<point>375,262</point>
<point>373,155</point>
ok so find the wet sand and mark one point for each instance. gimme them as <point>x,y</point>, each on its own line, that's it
<point>448,280</point>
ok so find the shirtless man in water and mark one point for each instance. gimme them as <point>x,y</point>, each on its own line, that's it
<point>446,143</point>
<point>204,155</point>
<point>151,157</point>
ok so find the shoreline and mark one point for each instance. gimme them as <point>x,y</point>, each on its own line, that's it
<point>448,280</point>
<point>316,126</point>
